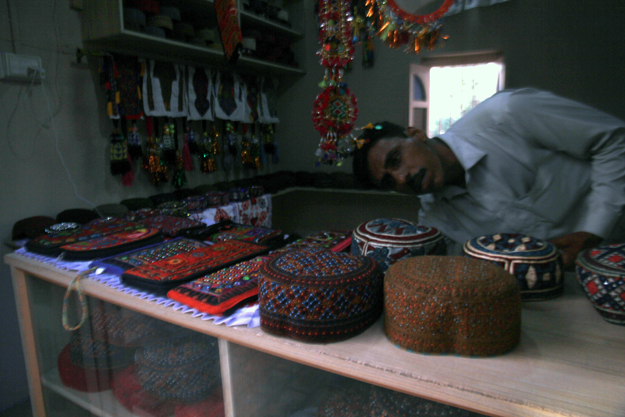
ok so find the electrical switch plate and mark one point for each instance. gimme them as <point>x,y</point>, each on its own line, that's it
<point>15,67</point>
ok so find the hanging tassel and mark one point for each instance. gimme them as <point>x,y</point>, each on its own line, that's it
<point>187,161</point>
<point>129,177</point>
<point>119,164</point>
<point>179,178</point>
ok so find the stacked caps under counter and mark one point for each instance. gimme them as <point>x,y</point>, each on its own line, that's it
<point>536,263</point>
<point>391,240</point>
<point>451,304</point>
<point>316,295</point>
<point>601,273</point>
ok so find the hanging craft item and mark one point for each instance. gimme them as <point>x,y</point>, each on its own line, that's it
<point>191,139</point>
<point>364,28</point>
<point>179,178</point>
<point>128,84</point>
<point>199,93</point>
<point>414,24</point>
<point>108,80</point>
<point>152,162</point>
<point>135,151</point>
<point>119,153</point>
<point>247,156</point>
<point>168,143</point>
<point>186,150</point>
<point>269,143</point>
<point>229,29</point>
<point>207,156</point>
<point>229,97</point>
<point>334,110</point>
<point>230,145</point>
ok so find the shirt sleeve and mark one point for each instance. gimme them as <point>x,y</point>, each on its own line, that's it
<point>567,126</point>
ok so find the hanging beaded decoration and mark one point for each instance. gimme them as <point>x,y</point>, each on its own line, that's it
<point>400,28</point>
<point>334,110</point>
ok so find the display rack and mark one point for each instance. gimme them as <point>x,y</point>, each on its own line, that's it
<point>570,361</point>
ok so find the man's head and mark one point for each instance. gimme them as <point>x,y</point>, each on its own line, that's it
<point>396,159</point>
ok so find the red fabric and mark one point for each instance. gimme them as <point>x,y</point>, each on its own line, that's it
<point>127,390</point>
<point>229,29</point>
<point>82,379</point>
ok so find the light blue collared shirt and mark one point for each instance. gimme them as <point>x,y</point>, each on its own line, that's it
<point>535,163</point>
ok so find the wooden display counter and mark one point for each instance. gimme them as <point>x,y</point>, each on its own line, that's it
<point>570,362</point>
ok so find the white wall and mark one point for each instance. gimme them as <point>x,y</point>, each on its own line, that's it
<point>572,48</point>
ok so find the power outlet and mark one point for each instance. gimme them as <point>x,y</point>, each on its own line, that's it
<point>15,67</point>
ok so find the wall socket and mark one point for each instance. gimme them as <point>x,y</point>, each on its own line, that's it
<point>15,67</point>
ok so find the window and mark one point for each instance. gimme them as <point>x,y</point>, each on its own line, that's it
<point>443,89</point>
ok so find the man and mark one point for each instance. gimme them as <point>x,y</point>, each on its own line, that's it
<point>523,161</point>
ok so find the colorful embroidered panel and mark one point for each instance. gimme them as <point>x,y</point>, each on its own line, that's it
<point>536,263</point>
<point>391,240</point>
<point>171,225</point>
<point>334,240</point>
<point>255,211</point>
<point>317,295</point>
<point>124,261</point>
<point>222,290</point>
<point>601,273</point>
<point>111,244</point>
<point>176,270</point>
<point>245,233</point>
<point>50,244</point>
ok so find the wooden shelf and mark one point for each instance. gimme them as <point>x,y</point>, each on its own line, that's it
<point>570,361</point>
<point>104,30</point>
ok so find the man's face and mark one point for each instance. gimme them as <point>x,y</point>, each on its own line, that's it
<point>407,165</point>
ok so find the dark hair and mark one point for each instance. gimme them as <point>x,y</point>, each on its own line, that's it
<point>382,130</point>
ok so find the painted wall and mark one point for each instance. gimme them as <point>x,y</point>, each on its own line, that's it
<point>572,48</point>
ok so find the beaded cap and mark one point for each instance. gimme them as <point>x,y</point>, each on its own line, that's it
<point>317,295</point>
<point>536,263</point>
<point>601,273</point>
<point>182,370</point>
<point>451,304</point>
<point>390,240</point>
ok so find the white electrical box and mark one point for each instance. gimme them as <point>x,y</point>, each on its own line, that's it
<point>15,67</point>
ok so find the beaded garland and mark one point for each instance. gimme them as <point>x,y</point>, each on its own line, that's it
<point>601,273</point>
<point>220,291</point>
<point>317,295</point>
<point>150,254</point>
<point>391,240</point>
<point>180,370</point>
<point>536,263</point>
<point>335,109</point>
<point>451,304</point>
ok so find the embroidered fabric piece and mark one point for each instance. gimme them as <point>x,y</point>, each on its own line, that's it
<point>215,215</point>
<point>171,225</point>
<point>163,88</point>
<point>256,211</point>
<point>229,97</point>
<point>268,105</point>
<point>129,86</point>
<point>111,244</point>
<point>220,291</point>
<point>229,28</point>
<point>168,273</point>
<point>333,240</point>
<point>124,261</point>
<point>244,316</point>
<point>200,93</point>
<point>245,233</point>
<point>50,244</point>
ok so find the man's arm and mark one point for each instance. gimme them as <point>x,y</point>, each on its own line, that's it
<point>572,244</point>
